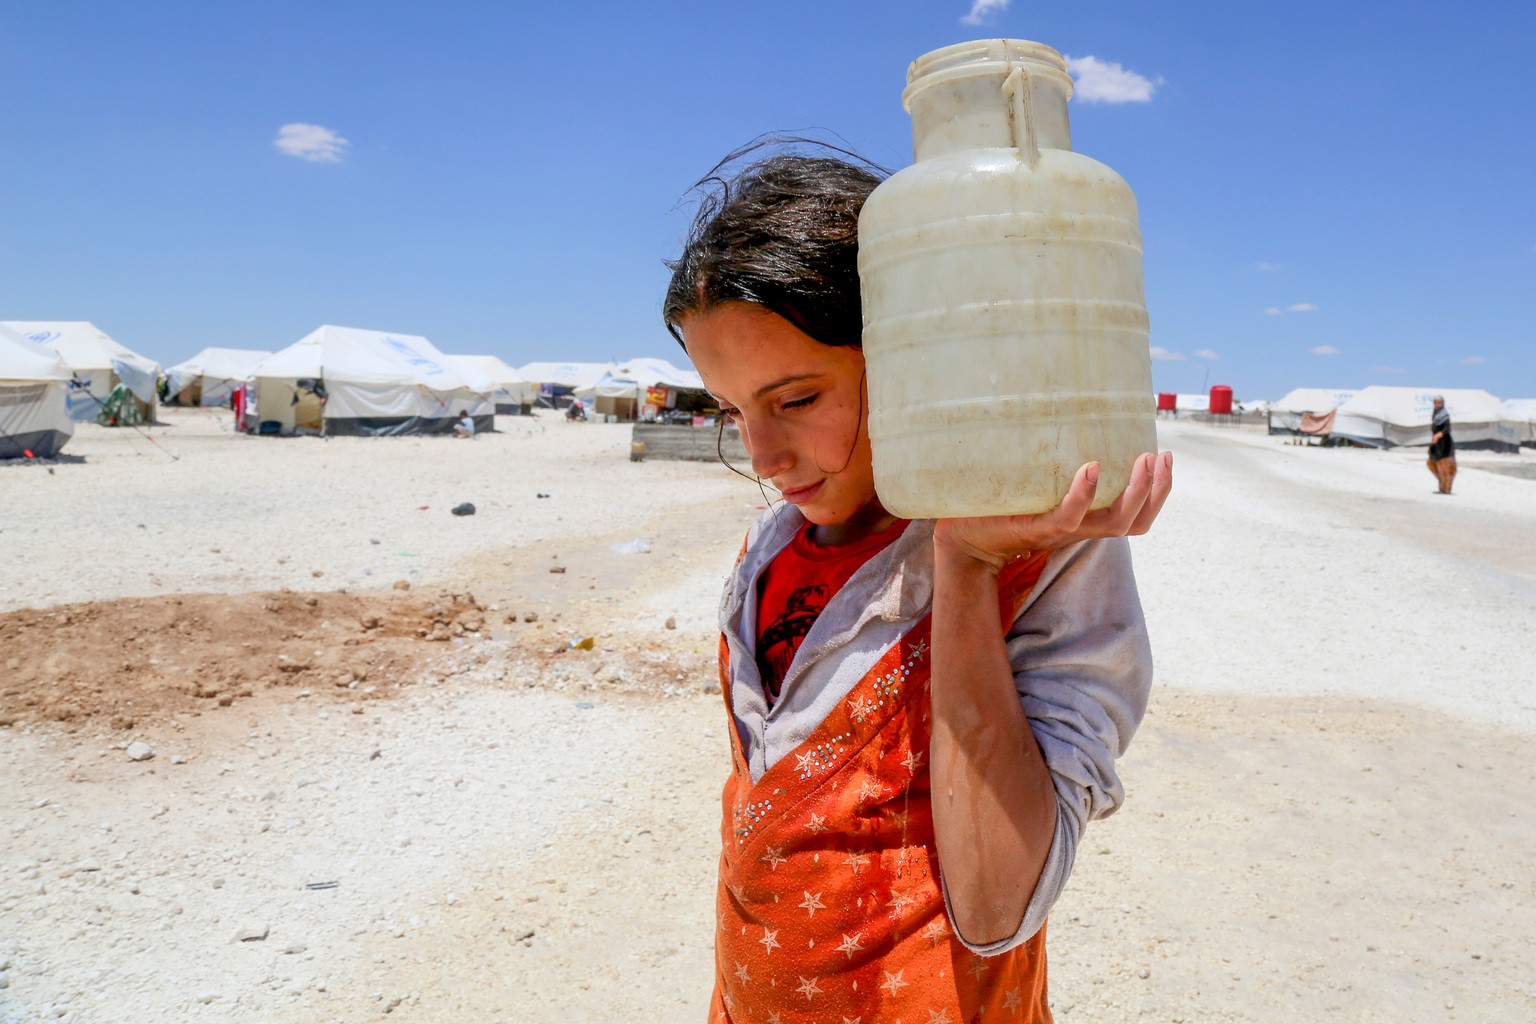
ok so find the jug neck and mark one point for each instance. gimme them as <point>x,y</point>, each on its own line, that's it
<point>989,94</point>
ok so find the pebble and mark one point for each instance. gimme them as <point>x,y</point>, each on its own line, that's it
<point>178,759</point>
<point>138,750</point>
<point>207,997</point>
<point>252,933</point>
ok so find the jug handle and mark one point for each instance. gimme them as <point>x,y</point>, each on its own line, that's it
<point>1020,90</point>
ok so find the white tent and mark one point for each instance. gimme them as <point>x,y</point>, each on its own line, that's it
<point>1386,416</point>
<point>34,413</point>
<point>636,382</point>
<point>97,361</point>
<point>653,372</point>
<point>209,377</point>
<point>1188,405</point>
<point>573,376</point>
<point>1520,417</point>
<point>342,380</point>
<point>1286,414</point>
<point>512,390</point>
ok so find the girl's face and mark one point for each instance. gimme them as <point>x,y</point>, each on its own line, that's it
<point>799,404</point>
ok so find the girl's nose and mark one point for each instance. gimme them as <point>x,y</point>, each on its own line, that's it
<point>768,449</point>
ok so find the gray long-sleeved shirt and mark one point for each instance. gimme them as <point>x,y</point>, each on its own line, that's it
<point>1081,663</point>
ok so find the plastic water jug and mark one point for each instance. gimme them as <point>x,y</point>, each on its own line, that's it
<point>1005,326</point>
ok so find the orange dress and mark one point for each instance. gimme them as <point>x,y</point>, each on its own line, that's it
<point>829,905</point>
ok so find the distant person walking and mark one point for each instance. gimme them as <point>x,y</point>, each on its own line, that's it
<point>1442,451</point>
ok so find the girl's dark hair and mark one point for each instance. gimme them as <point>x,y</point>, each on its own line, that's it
<point>780,232</point>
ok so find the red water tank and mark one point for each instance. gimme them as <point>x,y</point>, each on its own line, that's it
<point>1167,401</point>
<point>1221,400</point>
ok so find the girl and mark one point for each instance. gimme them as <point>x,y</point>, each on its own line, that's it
<point>924,714</point>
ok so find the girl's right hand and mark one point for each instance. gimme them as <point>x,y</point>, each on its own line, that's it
<point>993,540</point>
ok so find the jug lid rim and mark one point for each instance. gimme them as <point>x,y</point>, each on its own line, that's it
<point>983,52</point>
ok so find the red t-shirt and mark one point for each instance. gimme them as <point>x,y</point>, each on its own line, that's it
<point>794,589</point>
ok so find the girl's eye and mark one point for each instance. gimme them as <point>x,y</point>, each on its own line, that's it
<point>801,403</point>
<point>729,414</point>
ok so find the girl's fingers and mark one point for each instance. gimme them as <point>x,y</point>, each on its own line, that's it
<point>1131,513</point>
<point>1162,485</point>
<point>1123,512</point>
<point>1067,517</point>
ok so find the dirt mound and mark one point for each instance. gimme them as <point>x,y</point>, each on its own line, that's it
<point>127,659</point>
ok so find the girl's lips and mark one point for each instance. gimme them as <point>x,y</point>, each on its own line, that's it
<point>802,494</point>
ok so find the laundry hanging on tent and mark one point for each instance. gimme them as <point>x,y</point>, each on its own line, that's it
<point>121,409</point>
<point>1318,426</point>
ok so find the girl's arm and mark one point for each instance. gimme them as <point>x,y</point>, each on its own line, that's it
<point>994,806</point>
<point>994,801</point>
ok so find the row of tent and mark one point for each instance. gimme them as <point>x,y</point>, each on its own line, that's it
<point>335,380</point>
<point>342,380</point>
<point>1386,417</point>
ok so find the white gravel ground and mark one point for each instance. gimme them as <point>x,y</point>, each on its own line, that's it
<point>1292,570</point>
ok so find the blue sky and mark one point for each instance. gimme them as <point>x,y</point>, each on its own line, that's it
<point>1331,194</point>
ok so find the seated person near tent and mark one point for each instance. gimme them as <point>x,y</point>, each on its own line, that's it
<point>466,425</point>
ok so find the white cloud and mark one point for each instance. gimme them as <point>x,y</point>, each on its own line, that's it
<point>1103,81</point>
<point>1474,360</point>
<point>1206,353</point>
<point>981,8</point>
<point>1302,307</point>
<point>1269,267</point>
<point>310,142</point>
<point>1388,369</point>
<point>1324,350</point>
<point>1272,311</point>
<point>1158,352</point>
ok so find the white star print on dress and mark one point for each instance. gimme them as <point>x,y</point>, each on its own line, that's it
<point>809,988</point>
<point>856,860</point>
<point>812,903</point>
<point>850,945</point>
<point>773,856</point>
<point>937,931</point>
<point>939,1016</point>
<point>817,823</point>
<point>770,939</point>
<point>1011,1000</point>
<point>894,982</point>
<point>900,901</point>
<point>741,972</point>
